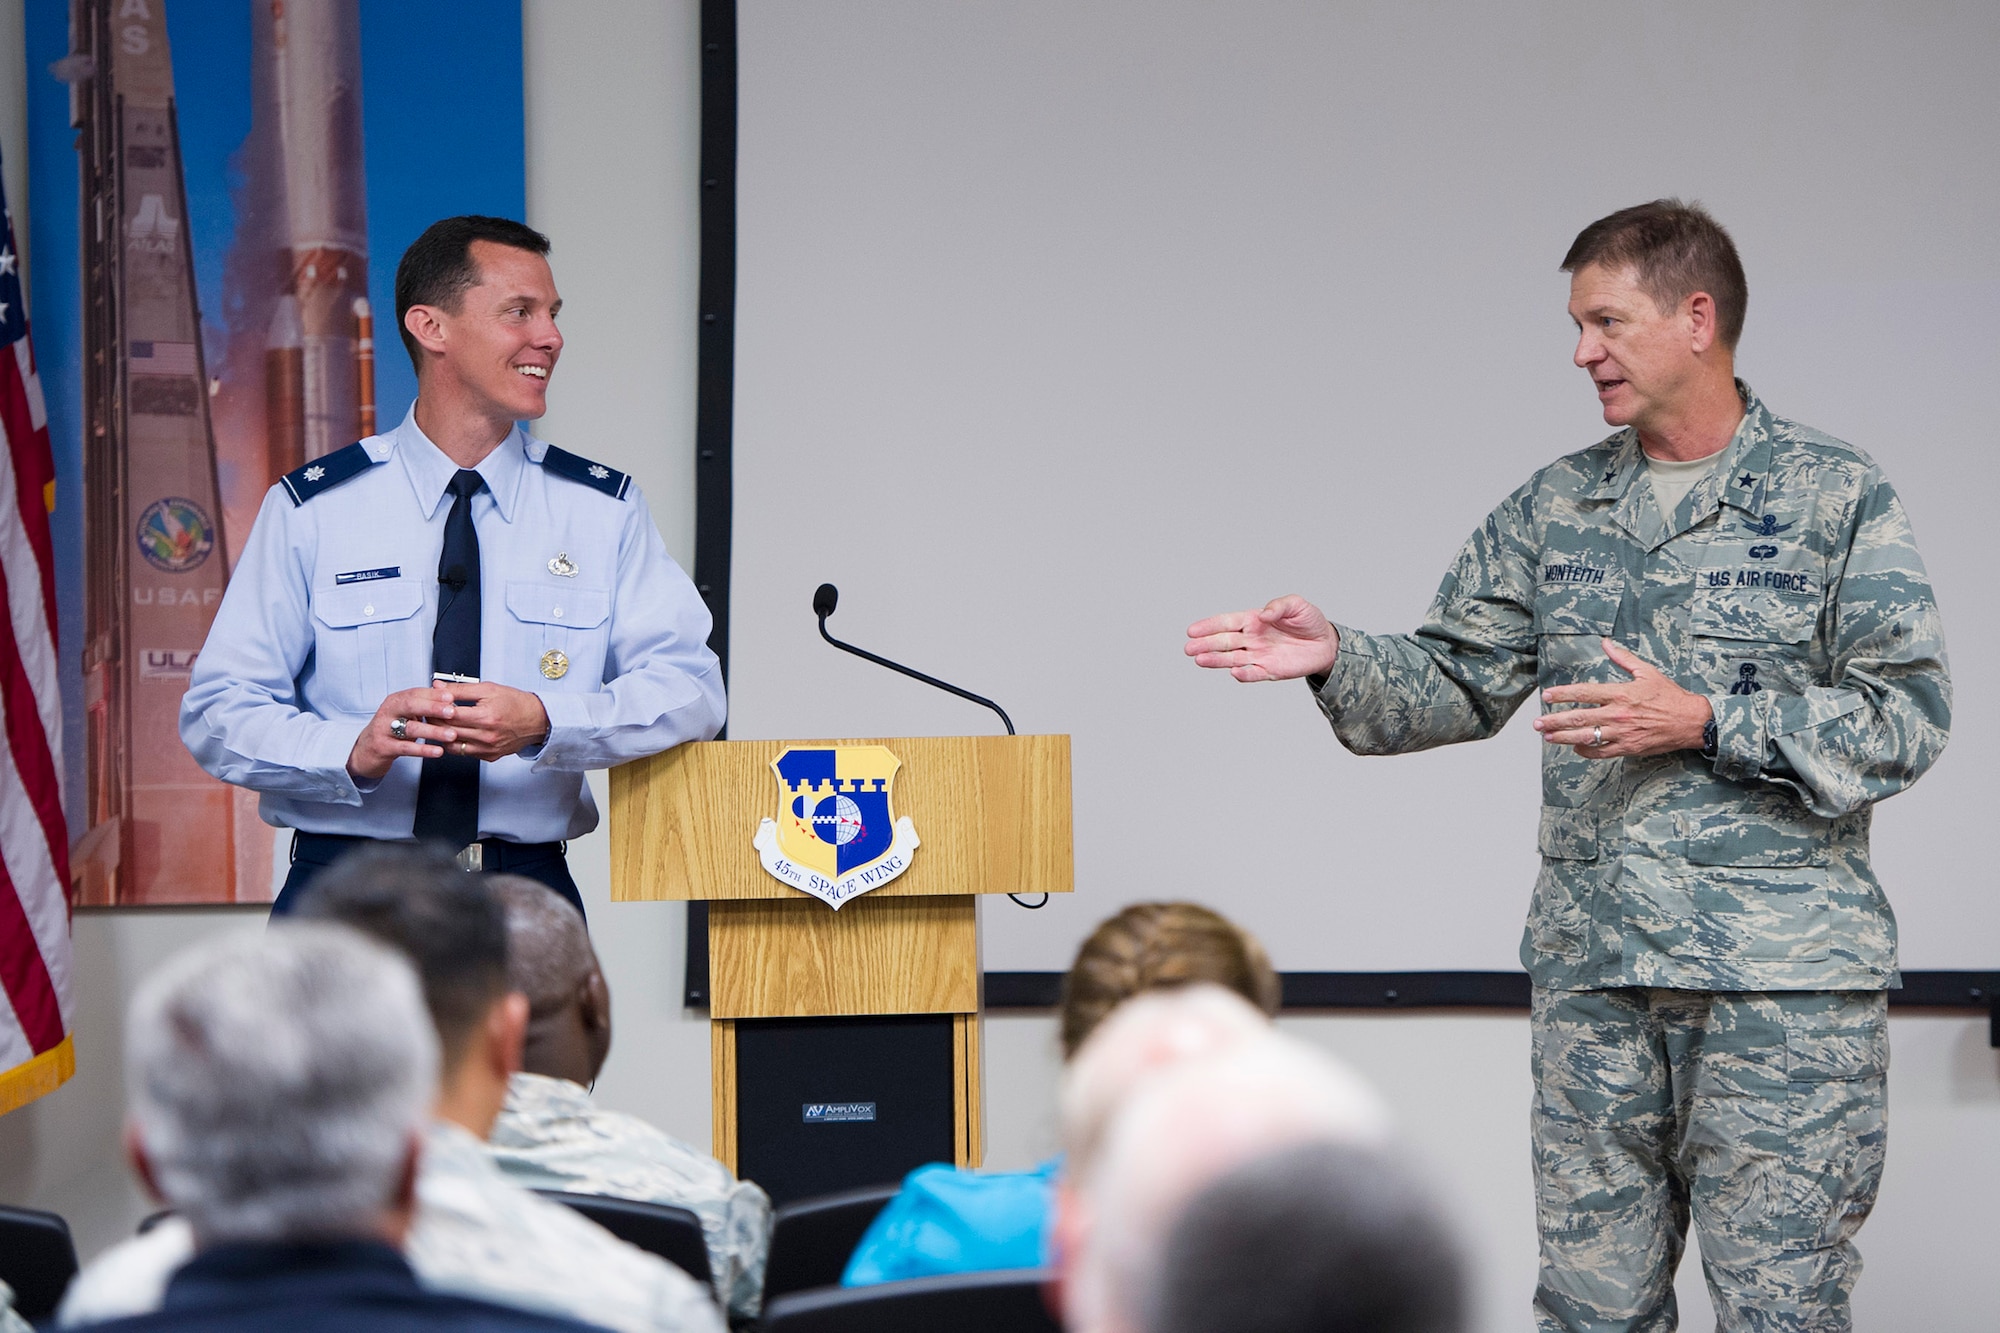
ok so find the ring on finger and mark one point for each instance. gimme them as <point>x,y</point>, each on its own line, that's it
<point>1596,737</point>
<point>400,728</point>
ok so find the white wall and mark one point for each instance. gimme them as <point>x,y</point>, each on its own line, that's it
<point>1062,325</point>
<point>612,122</point>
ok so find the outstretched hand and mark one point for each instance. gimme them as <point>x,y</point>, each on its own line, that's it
<point>1287,639</point>
<point>1645,715</point>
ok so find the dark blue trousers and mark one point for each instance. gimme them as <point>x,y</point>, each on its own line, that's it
<point>542,862</point>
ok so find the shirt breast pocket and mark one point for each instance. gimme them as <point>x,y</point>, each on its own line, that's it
<point>561,631</point>
<point>1747,640</point>
<point>361,628</point>
<point>1571,620</point>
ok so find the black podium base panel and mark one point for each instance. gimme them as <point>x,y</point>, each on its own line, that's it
<point>825,1104</point>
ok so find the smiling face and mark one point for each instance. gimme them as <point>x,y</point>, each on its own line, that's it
<point>1643,360</point>
<point>498,349</point>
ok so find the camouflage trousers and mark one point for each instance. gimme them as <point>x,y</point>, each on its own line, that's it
<point>1763,1115</point>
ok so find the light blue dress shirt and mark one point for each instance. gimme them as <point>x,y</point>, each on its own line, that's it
<point>330,610</point>
<point>949,1220</point>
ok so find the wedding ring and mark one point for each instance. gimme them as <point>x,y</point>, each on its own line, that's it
<point>400,728</point>
<point>1596,737</point>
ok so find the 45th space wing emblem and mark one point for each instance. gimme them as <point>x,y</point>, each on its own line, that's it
<point>835,835</point>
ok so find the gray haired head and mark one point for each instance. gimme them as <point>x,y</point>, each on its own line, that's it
<point>276,1081</point>
<point>1317,1238</point>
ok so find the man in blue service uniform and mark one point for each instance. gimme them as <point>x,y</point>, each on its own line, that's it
<point>1727,618</point>
<point>433,633</point>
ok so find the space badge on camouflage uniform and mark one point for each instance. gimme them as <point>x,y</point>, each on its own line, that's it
<point>835,835</point>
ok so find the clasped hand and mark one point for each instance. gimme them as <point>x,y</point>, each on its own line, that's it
<point>482,720</point>
<point>1645,715</point>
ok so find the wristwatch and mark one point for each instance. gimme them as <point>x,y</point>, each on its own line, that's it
<point>1708,739</point>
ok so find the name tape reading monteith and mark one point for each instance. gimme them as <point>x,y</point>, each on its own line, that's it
<point>823,1113</point>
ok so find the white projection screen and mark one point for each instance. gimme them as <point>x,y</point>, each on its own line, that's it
<point>1062,324</point>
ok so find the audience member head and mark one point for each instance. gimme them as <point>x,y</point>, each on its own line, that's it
<point>279,1084</point>
<point>416,900</point>
<point>1180,1128</point>
<point>549,960</point>
<point>1146,1035</point>
<point>1151,946</point>
<point>1316,1238</point>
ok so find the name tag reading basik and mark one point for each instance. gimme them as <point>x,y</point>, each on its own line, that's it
<point>835,835</point>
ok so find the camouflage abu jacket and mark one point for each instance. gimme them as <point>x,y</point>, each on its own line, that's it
<point>1786,587</point>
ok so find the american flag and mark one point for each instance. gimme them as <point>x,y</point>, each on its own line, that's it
<point>36,1054</point>
<point>156,358</point>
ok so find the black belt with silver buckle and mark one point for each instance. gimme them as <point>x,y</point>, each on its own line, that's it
<point>488,854</point>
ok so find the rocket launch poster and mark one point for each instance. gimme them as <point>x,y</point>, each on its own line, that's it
<point>220,190</point>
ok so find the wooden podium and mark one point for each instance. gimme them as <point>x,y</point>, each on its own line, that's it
<point>811,998</point>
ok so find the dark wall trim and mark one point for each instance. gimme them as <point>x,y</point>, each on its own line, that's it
<point>715,395</point>
<point>715,377</point>
<point>1481,990</point>
<point>1316,990</point>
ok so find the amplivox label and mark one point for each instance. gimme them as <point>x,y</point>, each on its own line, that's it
<point>822,1113</point>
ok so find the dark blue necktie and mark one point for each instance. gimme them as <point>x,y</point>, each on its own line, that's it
<point>448,793</point>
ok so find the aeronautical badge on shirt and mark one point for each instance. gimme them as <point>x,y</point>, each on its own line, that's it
<point>835,835</point>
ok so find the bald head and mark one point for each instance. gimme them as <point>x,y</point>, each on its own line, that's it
<point>1143,1036</point>
<point>1181,1128</point>
<point>551,961</point>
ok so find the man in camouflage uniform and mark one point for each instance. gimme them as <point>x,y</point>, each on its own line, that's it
<point>550,1135</point>
<point>1727,619</point>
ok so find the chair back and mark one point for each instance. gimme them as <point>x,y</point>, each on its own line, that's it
<point>657,1228</point>
<point>37,1259</point>
<point>1010,1301</point>
<point>812,1239</point>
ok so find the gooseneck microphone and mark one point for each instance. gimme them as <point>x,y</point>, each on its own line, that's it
<point>826,597</point>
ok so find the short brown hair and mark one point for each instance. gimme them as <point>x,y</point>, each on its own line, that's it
<point>438,268</point>
<point>1153,945</point>
<point>1677,250</point>
<point>414,898</point>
